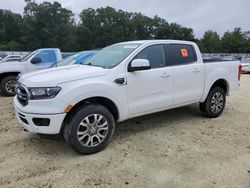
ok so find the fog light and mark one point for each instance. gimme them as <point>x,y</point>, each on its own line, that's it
<point>41,121</point>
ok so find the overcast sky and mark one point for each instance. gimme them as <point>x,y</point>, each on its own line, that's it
<point>201,15</point>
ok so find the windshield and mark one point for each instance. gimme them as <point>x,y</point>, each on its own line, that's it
<point>111,56</point>
<point>26,57</point>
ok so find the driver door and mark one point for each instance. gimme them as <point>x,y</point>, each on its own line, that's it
<point>150,90</point>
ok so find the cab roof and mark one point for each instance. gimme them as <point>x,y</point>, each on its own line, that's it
<point>156,41</point>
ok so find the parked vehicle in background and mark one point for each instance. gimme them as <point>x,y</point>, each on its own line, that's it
<point>77,58</point>
<point>39,59</point>
<point>11,58</point>
<point>3,54</point>
<point>120,82</point>
<point>67,54</point>
<point>220,58</point>
<point>212,58</point>
<point>245,62</point>
<point>230,58</point>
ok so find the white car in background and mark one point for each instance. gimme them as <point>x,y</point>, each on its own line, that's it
<point>40,59</point>
<point>245,62</point>
<point>11,58</point>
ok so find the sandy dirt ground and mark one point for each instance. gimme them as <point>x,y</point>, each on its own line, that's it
<point>175,148</point>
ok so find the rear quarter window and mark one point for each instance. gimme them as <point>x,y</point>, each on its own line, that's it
<point>181,54</point>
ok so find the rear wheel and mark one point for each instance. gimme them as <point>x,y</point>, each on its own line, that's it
<point>8,85</point>
<point>215,103</point>
<point>90,129</point>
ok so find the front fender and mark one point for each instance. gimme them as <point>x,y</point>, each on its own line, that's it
<point>73,93</point>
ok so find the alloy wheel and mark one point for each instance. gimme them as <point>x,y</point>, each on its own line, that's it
<point>92,130</point>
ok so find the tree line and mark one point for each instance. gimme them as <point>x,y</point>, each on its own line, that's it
<point>50,25</point>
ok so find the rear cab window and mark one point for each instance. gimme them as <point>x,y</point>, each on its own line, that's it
<point>181,54</point>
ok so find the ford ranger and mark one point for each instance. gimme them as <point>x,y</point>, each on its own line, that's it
<point>39,59</point>
<point>125,80</point>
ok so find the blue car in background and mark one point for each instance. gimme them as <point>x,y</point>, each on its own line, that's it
<point>77,58</point>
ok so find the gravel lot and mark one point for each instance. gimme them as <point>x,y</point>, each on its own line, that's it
<point>175,148</point>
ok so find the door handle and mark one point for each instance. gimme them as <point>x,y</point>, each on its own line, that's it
<point>196,70</point>
<point>165,75</point>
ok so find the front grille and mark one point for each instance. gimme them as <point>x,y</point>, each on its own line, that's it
<point>22,94</point>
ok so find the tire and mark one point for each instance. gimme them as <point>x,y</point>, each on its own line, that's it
<point>214,104</point>
<point>8,84</point>
<point>90,129</point>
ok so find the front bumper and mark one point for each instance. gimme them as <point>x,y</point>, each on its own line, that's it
<point>27,121</point>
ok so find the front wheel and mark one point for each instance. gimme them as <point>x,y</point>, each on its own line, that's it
<point>90,129</point>
<point>215,103</point>
<point>8,85</point>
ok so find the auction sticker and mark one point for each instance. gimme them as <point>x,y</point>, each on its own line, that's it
<point>184,52</point>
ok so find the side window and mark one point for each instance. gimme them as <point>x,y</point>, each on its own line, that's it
<point>47,56</point>
<point>155,54</point>
<point>181,54</point>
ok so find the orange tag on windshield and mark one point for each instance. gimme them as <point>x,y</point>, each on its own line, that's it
<point>184,52</point>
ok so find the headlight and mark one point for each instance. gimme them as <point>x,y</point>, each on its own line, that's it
<point>38,93</point>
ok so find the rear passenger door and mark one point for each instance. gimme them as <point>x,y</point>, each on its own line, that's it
<point>188,73</point>
<point>150,90</point>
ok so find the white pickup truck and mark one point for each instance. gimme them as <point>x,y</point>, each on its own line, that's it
<point>122,81</point>
<point>39,59</point>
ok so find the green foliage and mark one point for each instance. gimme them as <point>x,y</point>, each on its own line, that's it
<point>47,25</point>
<point>50,25</point>
<point>234,41</point>
<point>210,42</point>
<point>9,26</point>
<point>231,42</point>
<point>104,26</point>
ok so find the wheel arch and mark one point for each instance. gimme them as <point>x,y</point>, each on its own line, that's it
<point>104,101</point>
<point>221,83</point>
<point>3,75</point>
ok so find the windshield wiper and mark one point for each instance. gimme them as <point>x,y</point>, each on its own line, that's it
<point>89,64</point>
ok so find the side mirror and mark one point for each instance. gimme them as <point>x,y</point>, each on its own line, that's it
<point>139,64</point>
<point>35,60</point>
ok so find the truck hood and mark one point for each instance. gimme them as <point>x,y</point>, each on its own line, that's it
<point>54,76</point>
